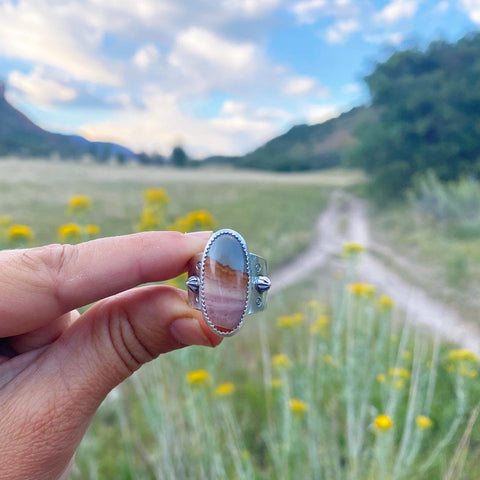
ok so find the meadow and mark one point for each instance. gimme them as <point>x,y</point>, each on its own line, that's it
<point>328,383</point>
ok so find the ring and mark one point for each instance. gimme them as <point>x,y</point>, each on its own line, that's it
<point>227,282</point>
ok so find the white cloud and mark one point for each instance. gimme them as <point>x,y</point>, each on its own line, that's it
<point>164,123</point>
<point>472,8</point>
<point>231,107</point>
<point>50,34</point>
<point>320,113</point>
<point>307,11</point>
<point>146,56</point>
<point>397,10</point>
<point>201,45</point>
<point>250,8</point>
<point>303,85</point>
<point>40,89</point>
<point>340,31</point>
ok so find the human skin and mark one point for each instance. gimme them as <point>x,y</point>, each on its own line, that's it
<point>57,366</point>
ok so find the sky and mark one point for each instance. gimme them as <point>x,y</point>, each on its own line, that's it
<point>215,76</point>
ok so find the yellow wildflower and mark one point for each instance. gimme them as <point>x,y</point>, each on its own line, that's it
<point>462,354</point>
<point>224,389</point>
<point>352,249</point>
<point>155,196</point>
<point>148,221</point>
<point>20,233</point>
<point>362,290</point>
<point>297,406</point>
<point>198,377</point>
<point>399,372</point>
<point>381,378</point>
<point>328,359</point>
<point>319,326</point>
<point>71,232</point>
<point>463,362</point>
<point>5,220</point>
<point>290,321</point>
<point>398,384</point>
<point>92,230</point>
<point>423,422</point>
<point>196,220</point>
<point>385,303</point>
<point>277,383</point>
<point>79,203</point>
<point>467,372</point>
<point>281,360</point>
<point>245,455</point>
<point>383,422</point>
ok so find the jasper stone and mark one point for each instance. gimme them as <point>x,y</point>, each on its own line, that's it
<point>225,281</point>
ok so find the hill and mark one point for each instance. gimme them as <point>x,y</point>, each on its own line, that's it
<point>307,147</point>
<point>20,136</point>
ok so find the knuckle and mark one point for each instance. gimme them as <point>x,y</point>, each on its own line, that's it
<point>128,348</point>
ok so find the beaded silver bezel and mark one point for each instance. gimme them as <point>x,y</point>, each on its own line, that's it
<point>246,257</point>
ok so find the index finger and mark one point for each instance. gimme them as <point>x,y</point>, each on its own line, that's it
<point>40,284</point>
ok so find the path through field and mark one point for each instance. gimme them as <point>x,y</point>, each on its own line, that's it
<point>345,220</point>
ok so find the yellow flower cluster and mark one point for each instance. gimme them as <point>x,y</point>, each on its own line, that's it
<point>92,230</point>
<point>148,221</point>
<point>362,290</point>
<point>383,422</point>
<point>202,377</point>
<point>462,354</point>
<point>19,233</point>
<point>290,321</point>
<point>79,203</point>
<point>396,376</point>
<point>423,422</point>
<point>193,221</point>
<point>320,325</point>
<point>155,197</point>
<point>72,232</point>
<point>298,407</point>
<point>352,249</point>
<point>224,389</point>
<point>463,362</point>
<point>198,377</point>
<point>281,360</point>
<point>385,303</point>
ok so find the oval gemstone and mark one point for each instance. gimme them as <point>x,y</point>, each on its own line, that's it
<point>225,282</point>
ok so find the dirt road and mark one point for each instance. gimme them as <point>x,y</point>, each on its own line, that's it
<point>345,220</point>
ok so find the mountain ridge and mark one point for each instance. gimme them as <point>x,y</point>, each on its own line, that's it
<point>21,136</point>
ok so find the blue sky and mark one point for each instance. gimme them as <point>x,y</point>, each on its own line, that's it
<point>215,76</point>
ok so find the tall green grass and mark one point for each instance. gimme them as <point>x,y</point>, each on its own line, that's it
<point>310,389</point>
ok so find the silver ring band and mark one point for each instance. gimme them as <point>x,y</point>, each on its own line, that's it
<point>227,282</point>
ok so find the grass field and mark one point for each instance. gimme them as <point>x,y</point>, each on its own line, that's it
<point>328,383</point>
<point>274,212</point>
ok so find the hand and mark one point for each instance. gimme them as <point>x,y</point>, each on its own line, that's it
<point>56,366</point>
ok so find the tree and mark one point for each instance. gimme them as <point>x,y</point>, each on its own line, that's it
<point>179,158</point>
<point>429,107</point>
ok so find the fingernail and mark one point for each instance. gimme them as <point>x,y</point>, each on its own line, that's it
<point>189,332</point>
<point>205,234</point>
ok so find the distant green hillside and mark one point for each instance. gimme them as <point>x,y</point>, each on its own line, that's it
<point>307,147</point>
<point>20,136</point>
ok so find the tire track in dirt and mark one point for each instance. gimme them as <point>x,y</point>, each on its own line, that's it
<point>420,308</point>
